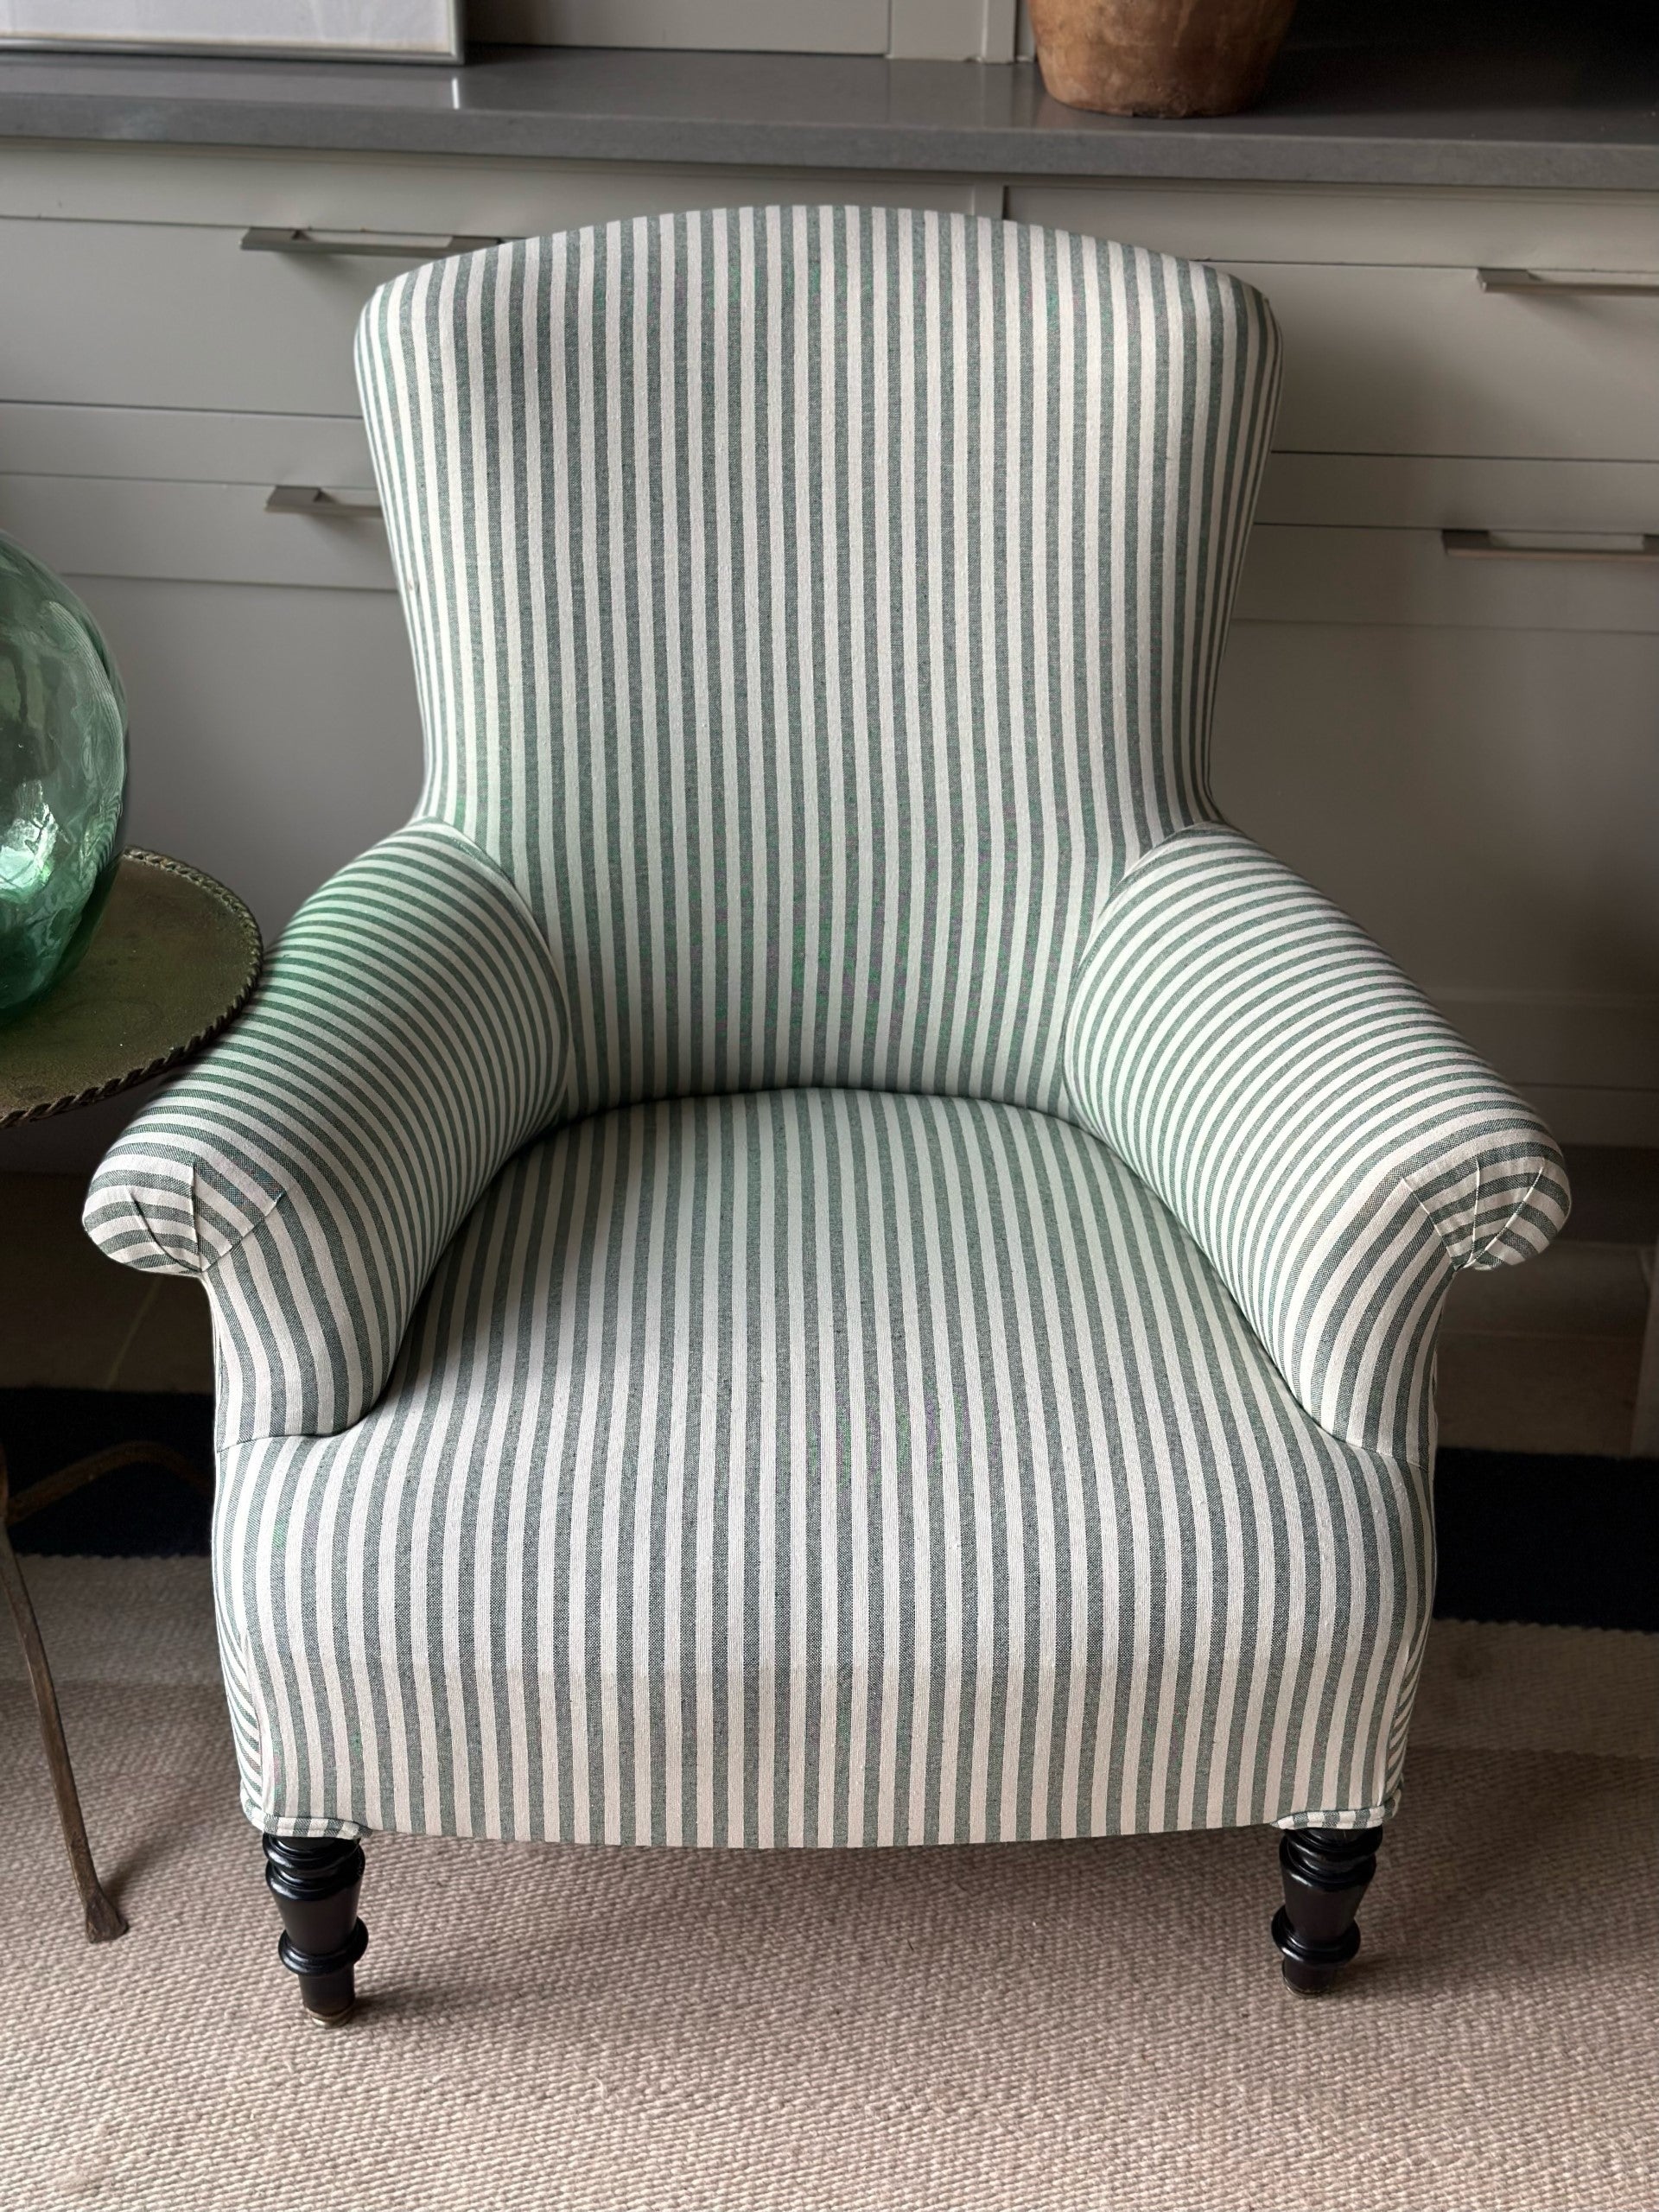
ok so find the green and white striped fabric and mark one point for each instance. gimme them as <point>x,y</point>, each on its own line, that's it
<point>954,1356</point>
<point>407,1036</point>
<point>1336,1149</point>
<point>824,1466</point>
<point>814,611</point>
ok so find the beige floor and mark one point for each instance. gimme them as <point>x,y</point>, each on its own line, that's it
<point>1091,2027</point>
<point>1539,1358</point>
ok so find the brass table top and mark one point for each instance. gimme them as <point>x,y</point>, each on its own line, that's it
<point>174,957</point>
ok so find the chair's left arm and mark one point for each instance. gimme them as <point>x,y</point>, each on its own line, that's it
<point>408,1035</point>
<point>1334,1147</point>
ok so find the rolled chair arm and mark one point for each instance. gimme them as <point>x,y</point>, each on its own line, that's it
<point>1334,1147</point>
<point>408,1035</point>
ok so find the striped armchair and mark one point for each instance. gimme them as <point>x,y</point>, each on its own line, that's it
<point>816,1252</point>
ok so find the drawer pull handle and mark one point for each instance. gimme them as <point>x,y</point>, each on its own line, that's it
<point>1528,280</point>
<point>1490,545</point>
<point>390,245</point>
<point>326,506</point>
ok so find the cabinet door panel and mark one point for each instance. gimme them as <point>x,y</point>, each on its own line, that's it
<point>1483,802</point>
<point>275,732</point>
<point>207,533</point>
<point>1300,573</point>
<point>177,315</point>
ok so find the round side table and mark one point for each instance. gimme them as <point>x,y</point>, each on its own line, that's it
<point>174,959</point>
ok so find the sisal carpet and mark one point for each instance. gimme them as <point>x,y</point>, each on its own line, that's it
<point>1094,2027</point>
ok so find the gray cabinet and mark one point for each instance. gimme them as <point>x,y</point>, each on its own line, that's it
<point>275,728</point>
<point>1484,800</point>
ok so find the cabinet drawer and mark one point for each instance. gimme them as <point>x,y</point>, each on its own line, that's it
<point>212,533</point>
<point>1446,491</point>
<point>1299,573</point>
<point>1313,574</point>
<point>1424,362</point>
<point>1392,346</point>
<point>178,314</point>
<point>1388,226</point>
<point>175,445</point>
<point>157,315</point>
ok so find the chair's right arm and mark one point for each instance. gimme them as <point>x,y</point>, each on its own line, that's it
<point>1331,1145</point>
<point>407,1036</point>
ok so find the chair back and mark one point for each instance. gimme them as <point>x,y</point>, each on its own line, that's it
<point>815,610</point>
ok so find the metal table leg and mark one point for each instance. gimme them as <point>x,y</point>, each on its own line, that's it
<point>104,1921</point>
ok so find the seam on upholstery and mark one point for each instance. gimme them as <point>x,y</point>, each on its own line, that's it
<point>1338,1816</point>
<point>1187,831</point>
<point>1477,1252</point>
<point>1504,1228</point>
<point>137,1205</point>
<point>1410,1190</point>
<point>256,1707</point>
<point>206,1274</point>
<point>1410,1677</point>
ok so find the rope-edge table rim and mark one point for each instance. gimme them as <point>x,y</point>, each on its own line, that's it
<point>249,930</point>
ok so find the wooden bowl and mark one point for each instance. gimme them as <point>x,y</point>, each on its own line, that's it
<point>1159,57</point>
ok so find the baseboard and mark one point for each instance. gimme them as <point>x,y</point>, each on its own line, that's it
<point>1558,1540</point>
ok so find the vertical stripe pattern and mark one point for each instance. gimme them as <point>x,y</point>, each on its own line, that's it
<point>814,610</point>
<point>824,1467</point>
<point>816,1253</point>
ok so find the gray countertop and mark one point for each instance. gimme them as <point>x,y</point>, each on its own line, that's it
<point>1478,93</point>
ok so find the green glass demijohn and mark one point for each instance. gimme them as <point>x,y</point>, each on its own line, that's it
<point>63,778</point>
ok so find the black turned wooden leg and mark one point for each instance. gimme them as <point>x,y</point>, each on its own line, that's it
<point>314,1880</point>
<point>1325,1872</point>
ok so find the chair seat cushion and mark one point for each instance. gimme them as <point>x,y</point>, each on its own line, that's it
<point>819,1466</point>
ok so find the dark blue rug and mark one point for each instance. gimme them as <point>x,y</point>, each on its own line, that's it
<point>1563,1540</point>
<point>1570,1541</point>
<point>136,1512</point>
